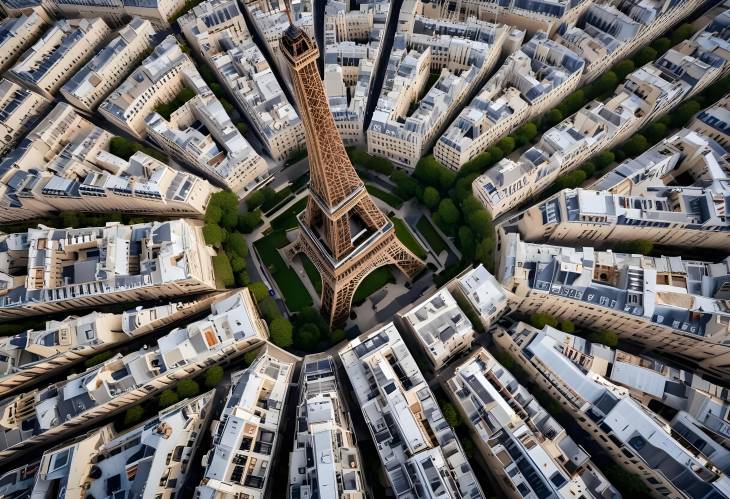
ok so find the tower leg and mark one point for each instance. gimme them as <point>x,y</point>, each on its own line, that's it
<point>336,302</point>
<point>406,261</point>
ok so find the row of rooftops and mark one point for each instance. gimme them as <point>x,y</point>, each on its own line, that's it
<point>233,321</point>
<point>531,74</point>
<point>56,265</point>
<point>67,157</point>
<point>218,29</point>
<point>637,429</point>
<point>645,92</point>
<point>684,295</point>
<point>539,458</point>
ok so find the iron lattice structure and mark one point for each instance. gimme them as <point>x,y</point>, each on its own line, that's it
<point>342,231</point>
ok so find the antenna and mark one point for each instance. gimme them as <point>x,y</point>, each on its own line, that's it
<point>287,9</point>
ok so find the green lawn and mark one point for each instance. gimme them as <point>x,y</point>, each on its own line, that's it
<point>288,219</point>
<point>312,273</point>
<point>429,233</point>
<point>295,294</point>
<point>372,282</point>
<point>385,196</point>
<point>406,237</point>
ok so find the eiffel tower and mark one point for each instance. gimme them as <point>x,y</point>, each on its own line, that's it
<point>341,231</point>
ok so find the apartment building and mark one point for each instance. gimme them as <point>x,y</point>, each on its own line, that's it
<point>201,134</point>
<point>156,455</point>
<point>612,30</point>
<point>270,19</point>
<point>440,327</point>
<point>634,436</point>
<point>64,164</point>
<point>20,110</point>
<point>645,94</point>
<point>156,81</point>
<point>17,34</point>
<point>324,430</point>
<point>417,447</point>
<point>45,415</point>
<point>404,135</point>
<point>483,293</point>
<point>531,81</point>
<point>714,123</point>
<point>352,41</point>
<point>695,408</point>
<point>106,70</point>
<point>245,438</point>
<point>58,54</point>
<point>532,16</point>
<point>530,453</point>
<point>114,12</point>
<point>32,356</point>
<point>674,306</point>
<point>218,31</point>
<point>47,270</point>
<point>643,199</point>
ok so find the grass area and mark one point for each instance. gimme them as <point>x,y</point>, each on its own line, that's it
<point>288,219</point>
<point>385,196</point>
<point>374,281</point>
<point>428,231</point>
<point>312,274</point>
<point>406,237</point>
<point>295,294</point>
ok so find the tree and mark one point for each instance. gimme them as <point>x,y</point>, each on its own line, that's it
<point>250,356</point>
<point>223,270</point>
<point>431,172</point>
<point>636,246</point>
<point>466,242</point>
<point>248,221</point>
<point>238,264</point>
<point>624,68</point>
<point>431,197</point>
<point>213,377</point>
<point>448,212</point>
<point>566,325</point>
<point>236,243</point>
<point>604,159</point>
<point>684,113</point>
<point>259,290</point>
<point>133,415</point>
<point>242,278</point>
<point>644,56</point>
<point>254,200</point>
<point>187,388</point>
<point>608,338</point>
<point>281,332</point>
<point>213,235</point>
<point>485,253</point>
<point>588,168</point>
<point>451,415</point>
<point>528,131</point>
<point>636,145</point>
<point>242,128</point>
<point>213,214</point>
<point>308,336</point>
<point>229,219</point>
<point>552,118</point>
<point>98,359</point>
<point>337,335</point>
<point>681,33</point>
<point>540,320</point>
<point>661,45</point>
<point>269,309</point>
<point>406,186</point>
<point>481,223</point>
<point>655,132</point>
<point>167,398</point>
<point>506,144</point>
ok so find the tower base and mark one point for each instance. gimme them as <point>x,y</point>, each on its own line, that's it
<point>340,282</point>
